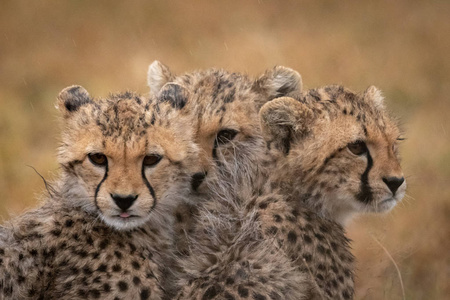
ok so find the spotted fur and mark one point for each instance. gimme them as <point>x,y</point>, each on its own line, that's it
<point>90,239</point>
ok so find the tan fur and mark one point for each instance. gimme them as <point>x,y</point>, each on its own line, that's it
<point>79,244</point>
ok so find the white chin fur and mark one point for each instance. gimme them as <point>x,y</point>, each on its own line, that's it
<point>124,223</point>
<point>385,206</point>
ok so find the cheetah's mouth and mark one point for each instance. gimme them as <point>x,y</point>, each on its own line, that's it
<point>125,215</point>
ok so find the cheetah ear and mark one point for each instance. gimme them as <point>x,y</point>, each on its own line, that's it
<point>278,82</point>
<point>157,76</point>
<point>71,99</point>
<point>374,95</point>
<point>284,120</point>
<point>176,95</point>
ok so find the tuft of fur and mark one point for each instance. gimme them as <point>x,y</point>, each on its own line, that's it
<point>255,240</point>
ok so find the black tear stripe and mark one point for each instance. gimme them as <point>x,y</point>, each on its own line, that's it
<point>365,194</point>
<point>98,186</point>
<point>214,155</point>
<point>214,150</point>
<point>150,188</point>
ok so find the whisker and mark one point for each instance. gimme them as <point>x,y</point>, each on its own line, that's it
<point>48,187</point>
<point>393,262</point>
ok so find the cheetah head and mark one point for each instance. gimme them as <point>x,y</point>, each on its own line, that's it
<point>126,158</point>
<point>226,107</point>
<point>336,149</point>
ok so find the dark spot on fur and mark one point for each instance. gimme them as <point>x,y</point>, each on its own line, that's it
<point>87,270</point>
<point>116,268</point>
<point>319,236</point>
<point>179,217</point>
<point>346,294</point>
<point>243,292</point>
<point>20,279</point>
<point>136,280</point>
<point>67,285</point>
<point>95,293</point>
<point>136,265</point>
<point>211,292</point>
<point>321,249</point>
<point>122,285</point>
<point>291,219</point>
<point>102,268</point>
<point>334,246</point>
<point>103,244</point>
<point>118,254</point>
<point>89,241</point>
<point>145,294</point>
<point>228,296</point>
<point>257,296</point>
<point>307,239</point>
<point>56,232</point>
<point>132,248</point>
<point>292,237</point>
<point>277,218</point>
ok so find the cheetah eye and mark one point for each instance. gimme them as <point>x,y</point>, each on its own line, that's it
<point>225,136</point>
<point>357,148</point>
<point>98,159</point>
<point>151,160</point>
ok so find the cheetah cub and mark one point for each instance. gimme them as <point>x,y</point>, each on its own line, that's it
<point>335,150</point>
<point>225,106</point>
<point>104,231</point>
<point>247,241</point>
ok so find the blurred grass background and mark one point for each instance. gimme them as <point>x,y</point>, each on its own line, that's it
<point>402,47</point>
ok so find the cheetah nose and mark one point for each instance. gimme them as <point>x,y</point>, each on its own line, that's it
<point>124,201</point>
<point>393,183</point>
<point>197,179</point>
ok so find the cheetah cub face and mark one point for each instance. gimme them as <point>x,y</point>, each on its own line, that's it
<point>227,106</point>
<point>338,150</point>
<point>126,158</point>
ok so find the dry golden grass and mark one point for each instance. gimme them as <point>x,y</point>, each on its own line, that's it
<point>400,46</point>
